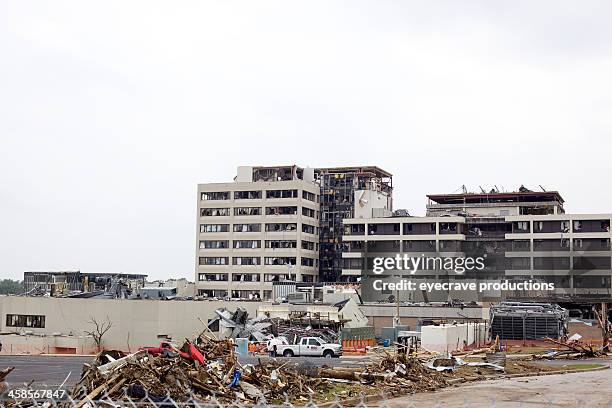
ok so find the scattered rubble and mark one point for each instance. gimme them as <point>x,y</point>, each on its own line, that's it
<point>570,350</point>
<point>182,375</point>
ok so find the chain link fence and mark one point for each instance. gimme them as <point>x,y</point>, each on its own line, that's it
<point>371,401</point>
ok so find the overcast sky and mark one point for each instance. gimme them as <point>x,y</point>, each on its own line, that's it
<point>111,113</point>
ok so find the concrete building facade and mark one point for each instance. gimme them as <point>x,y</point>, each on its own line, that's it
<point>261,228</point>
<point>58,325</point>
<point>523,236</point>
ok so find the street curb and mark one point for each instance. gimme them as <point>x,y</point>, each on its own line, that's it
<point>377,397</point>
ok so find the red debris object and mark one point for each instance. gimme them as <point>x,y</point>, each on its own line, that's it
<point>164,345</point>
<point>195,354</point>
<point>188,351</point>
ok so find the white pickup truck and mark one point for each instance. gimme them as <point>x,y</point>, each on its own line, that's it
<point>310,346</point>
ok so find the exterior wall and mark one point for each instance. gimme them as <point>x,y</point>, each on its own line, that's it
<point>571,250</point>
<point>263,272</point>
<point>368,200</point>
<point>139,322</point>
<point>443,240</point>
<point>381,315</point>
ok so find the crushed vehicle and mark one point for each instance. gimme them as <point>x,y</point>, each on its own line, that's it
<point>310,346</point>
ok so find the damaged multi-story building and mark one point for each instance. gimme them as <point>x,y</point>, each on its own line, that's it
<point>345,192</point>
<point>523,235</point>
<point>259,229</point>
<point>280,223</point>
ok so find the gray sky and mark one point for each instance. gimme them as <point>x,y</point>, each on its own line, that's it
<point>111,113</point>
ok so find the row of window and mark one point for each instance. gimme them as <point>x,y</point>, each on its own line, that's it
<point>34,321</point>
<point>269,227</point>
<point>247,211</point>
<point>562,226</point>
<point>579,244</point>
<point>515,263</point>
<point>253,260</point>
<point>454,228</point>
<point>256,195</point>
<point>428,228</point>
<point>255,244</point>
<point>249,277</point>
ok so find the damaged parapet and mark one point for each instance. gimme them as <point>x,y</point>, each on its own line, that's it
<point>528,321</point>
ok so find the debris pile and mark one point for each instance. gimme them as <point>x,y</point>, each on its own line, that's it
<point>570,350</point>
<point>182,376</point>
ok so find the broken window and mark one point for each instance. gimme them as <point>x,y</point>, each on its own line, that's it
<point>204,228</point>
<point>214,212</point>
<point>214,244</point>
<point>280,260</point>
<point>281,210</point>
<point>307,195</point>
<point>448,227</point>
<point>307,261</point>
<point>217,195</point>
<point>33,321</point>
<point>284,244</point>
<point>354,229</point>
<point>281,227</point>
<point>247,211</point>
<point>246,260</point>
<point>310,246</point>
<point>212,277</point>
<point>247,227</point>
<point>383,229</point>
<point>247,244</point>
<point>281,194</point>
<point>308,229</point>
<point>308,212</point>
<point>520,226</point>
<point>247,195</point>
<point>214,260</point>
<point>245,277</point>
<point>276,277</point>
<point>212,293</point>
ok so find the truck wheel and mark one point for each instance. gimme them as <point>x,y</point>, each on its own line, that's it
<point>328,354</point>
<point>288,353</point>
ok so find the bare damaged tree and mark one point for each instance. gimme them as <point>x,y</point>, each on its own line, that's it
<point>99,330</point>
<point>605,325</point>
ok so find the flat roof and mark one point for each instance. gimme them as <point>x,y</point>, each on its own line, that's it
<point>527,196</point>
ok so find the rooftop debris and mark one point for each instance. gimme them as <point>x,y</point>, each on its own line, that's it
<point>238,324</point>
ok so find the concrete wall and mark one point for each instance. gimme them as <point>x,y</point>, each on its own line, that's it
<point>367,200</point>
<point>450,337</point>
<point>139,322</point>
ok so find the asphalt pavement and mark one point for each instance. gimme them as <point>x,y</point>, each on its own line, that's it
<point>47,370</point>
